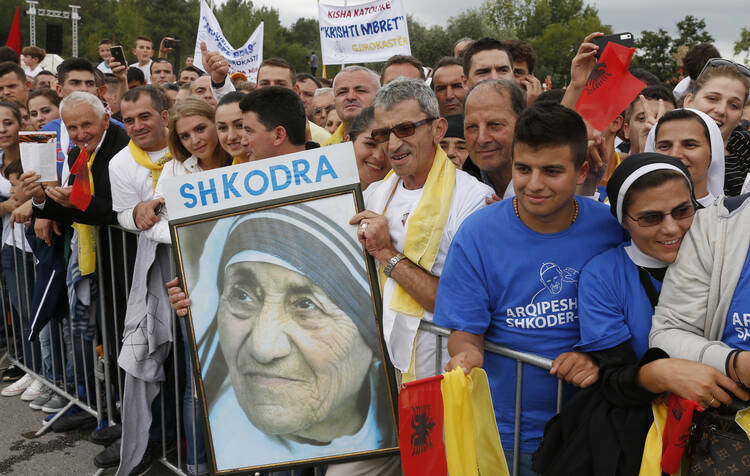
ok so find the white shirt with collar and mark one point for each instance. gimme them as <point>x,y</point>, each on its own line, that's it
<point>131,184</point>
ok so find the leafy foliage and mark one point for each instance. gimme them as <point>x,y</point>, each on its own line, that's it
<point>743,45</point>
<point>554,28</point>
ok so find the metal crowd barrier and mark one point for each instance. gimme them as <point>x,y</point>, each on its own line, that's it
<point>107,378</point>
<point>521,359</point>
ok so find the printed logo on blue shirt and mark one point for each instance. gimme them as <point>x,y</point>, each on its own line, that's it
<point>548,307</point>
<point>741,325</point>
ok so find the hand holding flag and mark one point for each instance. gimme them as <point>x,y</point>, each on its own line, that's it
<point>610,87</point>
<point>80,195</point>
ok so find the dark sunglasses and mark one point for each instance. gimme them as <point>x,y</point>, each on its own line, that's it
<point>654,218</point>
<point>714,62</point>
<point>405,129</point>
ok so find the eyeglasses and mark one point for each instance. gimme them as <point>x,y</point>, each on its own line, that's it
<point>405,129</point>
<point>714,62</point>
<point>655,218</point>
<point>327,109</point>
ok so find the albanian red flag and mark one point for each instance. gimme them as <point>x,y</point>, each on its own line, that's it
<point>14,37</point>
<point>676,431</point>
<point>610,87</point>
<point>420,428</point>
<point>80,196</point>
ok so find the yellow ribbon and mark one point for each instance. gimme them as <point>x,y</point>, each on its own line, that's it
<point>336,138</point>
<point>423,236</point>
<point>87,235</point>
<point>472,441</point>
<point>426,226</point>
<point>141,157</point>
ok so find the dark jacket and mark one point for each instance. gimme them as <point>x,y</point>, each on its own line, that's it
<point>99,211</point>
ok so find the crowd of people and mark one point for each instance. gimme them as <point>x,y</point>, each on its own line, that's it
<point>492,208</point>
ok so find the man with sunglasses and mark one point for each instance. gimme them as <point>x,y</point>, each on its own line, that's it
<point>412,216</point>
<point>511,276</point>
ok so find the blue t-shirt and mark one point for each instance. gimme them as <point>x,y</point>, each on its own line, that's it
<point>737,328</point>
<point>614,307</point>
<point>62,155</point>
<point>520,289</point>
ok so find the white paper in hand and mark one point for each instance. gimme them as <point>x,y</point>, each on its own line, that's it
<point>39,154</point>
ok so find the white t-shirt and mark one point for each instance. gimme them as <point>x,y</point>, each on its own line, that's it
<point>131,184</point>
<point>104,68</point>
<point>146,68</point>
<point>468,196</point>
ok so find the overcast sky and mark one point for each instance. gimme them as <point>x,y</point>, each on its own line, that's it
<point>724,18</point>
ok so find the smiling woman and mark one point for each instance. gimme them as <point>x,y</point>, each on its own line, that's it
<point>287,339</point>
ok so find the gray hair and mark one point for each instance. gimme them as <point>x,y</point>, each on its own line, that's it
<point>515,95</point>
<point>403,89</point>
<point>79,97</point>
<point>322,91</point>
<point>351,69</point>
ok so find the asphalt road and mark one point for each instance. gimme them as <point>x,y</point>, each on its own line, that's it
<point>63,454</point>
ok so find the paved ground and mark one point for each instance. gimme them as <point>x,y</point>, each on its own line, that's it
<point>64,454</point>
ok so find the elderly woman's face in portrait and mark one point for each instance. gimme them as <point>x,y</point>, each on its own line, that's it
<point>296,360</point>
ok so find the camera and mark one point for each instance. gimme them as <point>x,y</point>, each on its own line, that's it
<point>172,43</point>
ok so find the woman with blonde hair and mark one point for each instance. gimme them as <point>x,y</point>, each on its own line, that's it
<point>194,145</point>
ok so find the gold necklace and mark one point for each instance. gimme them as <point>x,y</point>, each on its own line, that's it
<point>575,213</point>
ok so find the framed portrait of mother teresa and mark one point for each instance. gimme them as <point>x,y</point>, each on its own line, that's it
<point>288,357</point>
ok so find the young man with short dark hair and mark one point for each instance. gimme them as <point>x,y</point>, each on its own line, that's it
<point>487,58</point>
<point>449,84</point>
<point>13,82</point>
<point>143,50</point>
<point>105,54</point>
<point>161,72</point>
<point>511,275</point>
<point>274,122</point>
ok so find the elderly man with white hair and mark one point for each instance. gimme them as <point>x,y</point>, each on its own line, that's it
<point>88,126</point>
<point>90,129</point>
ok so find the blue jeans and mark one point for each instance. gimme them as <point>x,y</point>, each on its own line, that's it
<point>79,364</point>
<point>188,417</point>
<point>49,340</point>
<point>19,280</point>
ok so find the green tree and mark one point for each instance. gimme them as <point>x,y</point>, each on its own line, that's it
<point>654,54</point>
<point>691,31</point>
<point>554,28</point>
<point>558,44</point>
<point>428,44</point>
<point>743,45</point>
<point>471,23</point>
<point>509,18</point>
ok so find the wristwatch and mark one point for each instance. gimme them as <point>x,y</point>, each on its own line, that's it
<point>392,263</point>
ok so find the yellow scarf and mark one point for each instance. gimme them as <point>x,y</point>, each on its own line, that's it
<point>426,225</point>
<point>336,138</point>
<point>472,441</point>
<point>423,236</point>
<point>238,160</point>
<point>87,235</point>
<point>141,157</point>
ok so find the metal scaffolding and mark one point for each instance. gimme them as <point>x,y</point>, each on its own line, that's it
<point>73,14</point>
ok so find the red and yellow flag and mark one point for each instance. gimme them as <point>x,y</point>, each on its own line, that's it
<point>80,196</point>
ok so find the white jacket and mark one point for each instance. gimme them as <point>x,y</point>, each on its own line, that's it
<point>689,320</point>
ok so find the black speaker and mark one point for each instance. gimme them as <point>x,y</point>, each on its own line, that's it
<point>54,43</point>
